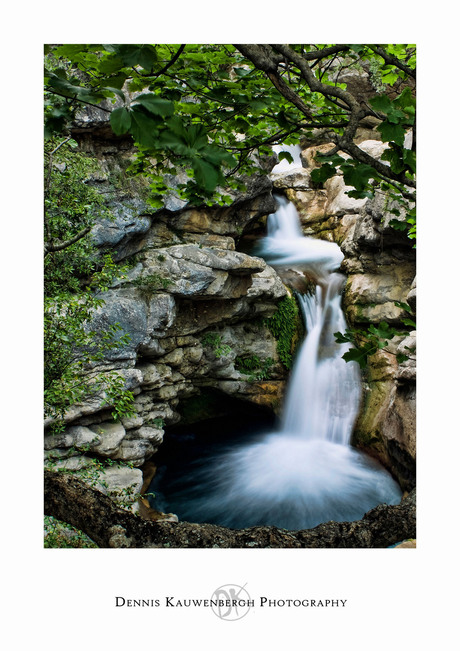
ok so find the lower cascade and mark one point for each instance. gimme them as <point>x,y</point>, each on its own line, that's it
<point>307,472</point>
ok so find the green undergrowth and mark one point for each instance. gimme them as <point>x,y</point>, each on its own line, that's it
<point>61,535</point>
<point>286,326</point>
<point>255,368</point>
<point>149,285</point>
<point>214,341</point>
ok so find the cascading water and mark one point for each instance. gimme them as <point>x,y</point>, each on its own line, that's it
<point>307,472</point>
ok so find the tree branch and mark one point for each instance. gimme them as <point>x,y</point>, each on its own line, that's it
<point>261,57</point>
<point>85,508</point>
<point>392,60</point>
<point>76,99</point>
<point>51,248</point>
<point>171,62</point>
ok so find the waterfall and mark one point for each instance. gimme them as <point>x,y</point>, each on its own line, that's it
<point>307,472</point>
<point>286,246</point>
<point>332,387</point>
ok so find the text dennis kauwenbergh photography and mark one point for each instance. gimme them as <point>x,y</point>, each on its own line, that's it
<point>261,602</point>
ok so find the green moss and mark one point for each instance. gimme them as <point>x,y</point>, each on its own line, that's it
<point>285,326</point>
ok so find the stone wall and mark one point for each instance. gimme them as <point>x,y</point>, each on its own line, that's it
<point>191,305</point>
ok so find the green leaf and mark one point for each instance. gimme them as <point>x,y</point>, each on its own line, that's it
<point>217,156</point>
<point>403,306</point>
<point>357,175</point>
<point>392,133</point>
<point>144,128</point>
<point>398,225</point>
<point>393,156</point>
<point>114,91</point>
<point>381,103</point>
<point>382,330</point>
<point>356,355</point>
<point>323,173</point>
<point>406,101</point>
<point>120,121</point>
<point>206,174</point>
<point>156,105</point>
<point>343,338</point>
<point>112,63</point>
<point>410,159</point>
<point>285,155</point>
<point>133,55</point>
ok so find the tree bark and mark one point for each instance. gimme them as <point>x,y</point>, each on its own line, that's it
<point>74,502</point>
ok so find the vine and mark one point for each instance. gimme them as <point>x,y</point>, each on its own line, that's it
<point>284,327</point>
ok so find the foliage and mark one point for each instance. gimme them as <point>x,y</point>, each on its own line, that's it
<point>376,337</point>
<point>283,326</point>
<point>72,205</point>
<point>214,340</point>
<point>61,535</point>
<point>159,423</point>
<point>254,367</point>
<point>150,284</point>
<point>211,110</point>
<point>74,283</point>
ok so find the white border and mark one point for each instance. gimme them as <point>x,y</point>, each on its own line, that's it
<point>65,598</point>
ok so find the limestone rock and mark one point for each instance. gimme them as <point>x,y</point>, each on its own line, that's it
<point>193,271</point>
<point>371,297</point>
<point>338,201</point>
<point>152,434</point>
<point>298,179</point>
<point>412,295</point>
<point>255,202</point>
<point>135,451</point>
<point>142,318</point>
<point>128,222</point>
<point>407,370</point>
<point>77,437</point>
<point>266,284</point>
<point>110,435</point>
<point>122,484</point>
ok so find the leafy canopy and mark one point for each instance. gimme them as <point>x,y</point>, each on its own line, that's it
<point>212,109</point>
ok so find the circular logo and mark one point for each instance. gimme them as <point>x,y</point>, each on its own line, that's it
<point>232,602</point>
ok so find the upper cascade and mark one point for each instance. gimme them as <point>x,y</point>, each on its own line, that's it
<point>286,245</point>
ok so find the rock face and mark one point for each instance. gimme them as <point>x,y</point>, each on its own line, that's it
<point>192,306</point>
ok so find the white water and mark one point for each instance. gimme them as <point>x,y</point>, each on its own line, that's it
<point>285,245</point>
<point>307,472</point>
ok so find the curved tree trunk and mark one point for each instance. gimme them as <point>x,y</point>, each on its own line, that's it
<point>72,501</point>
